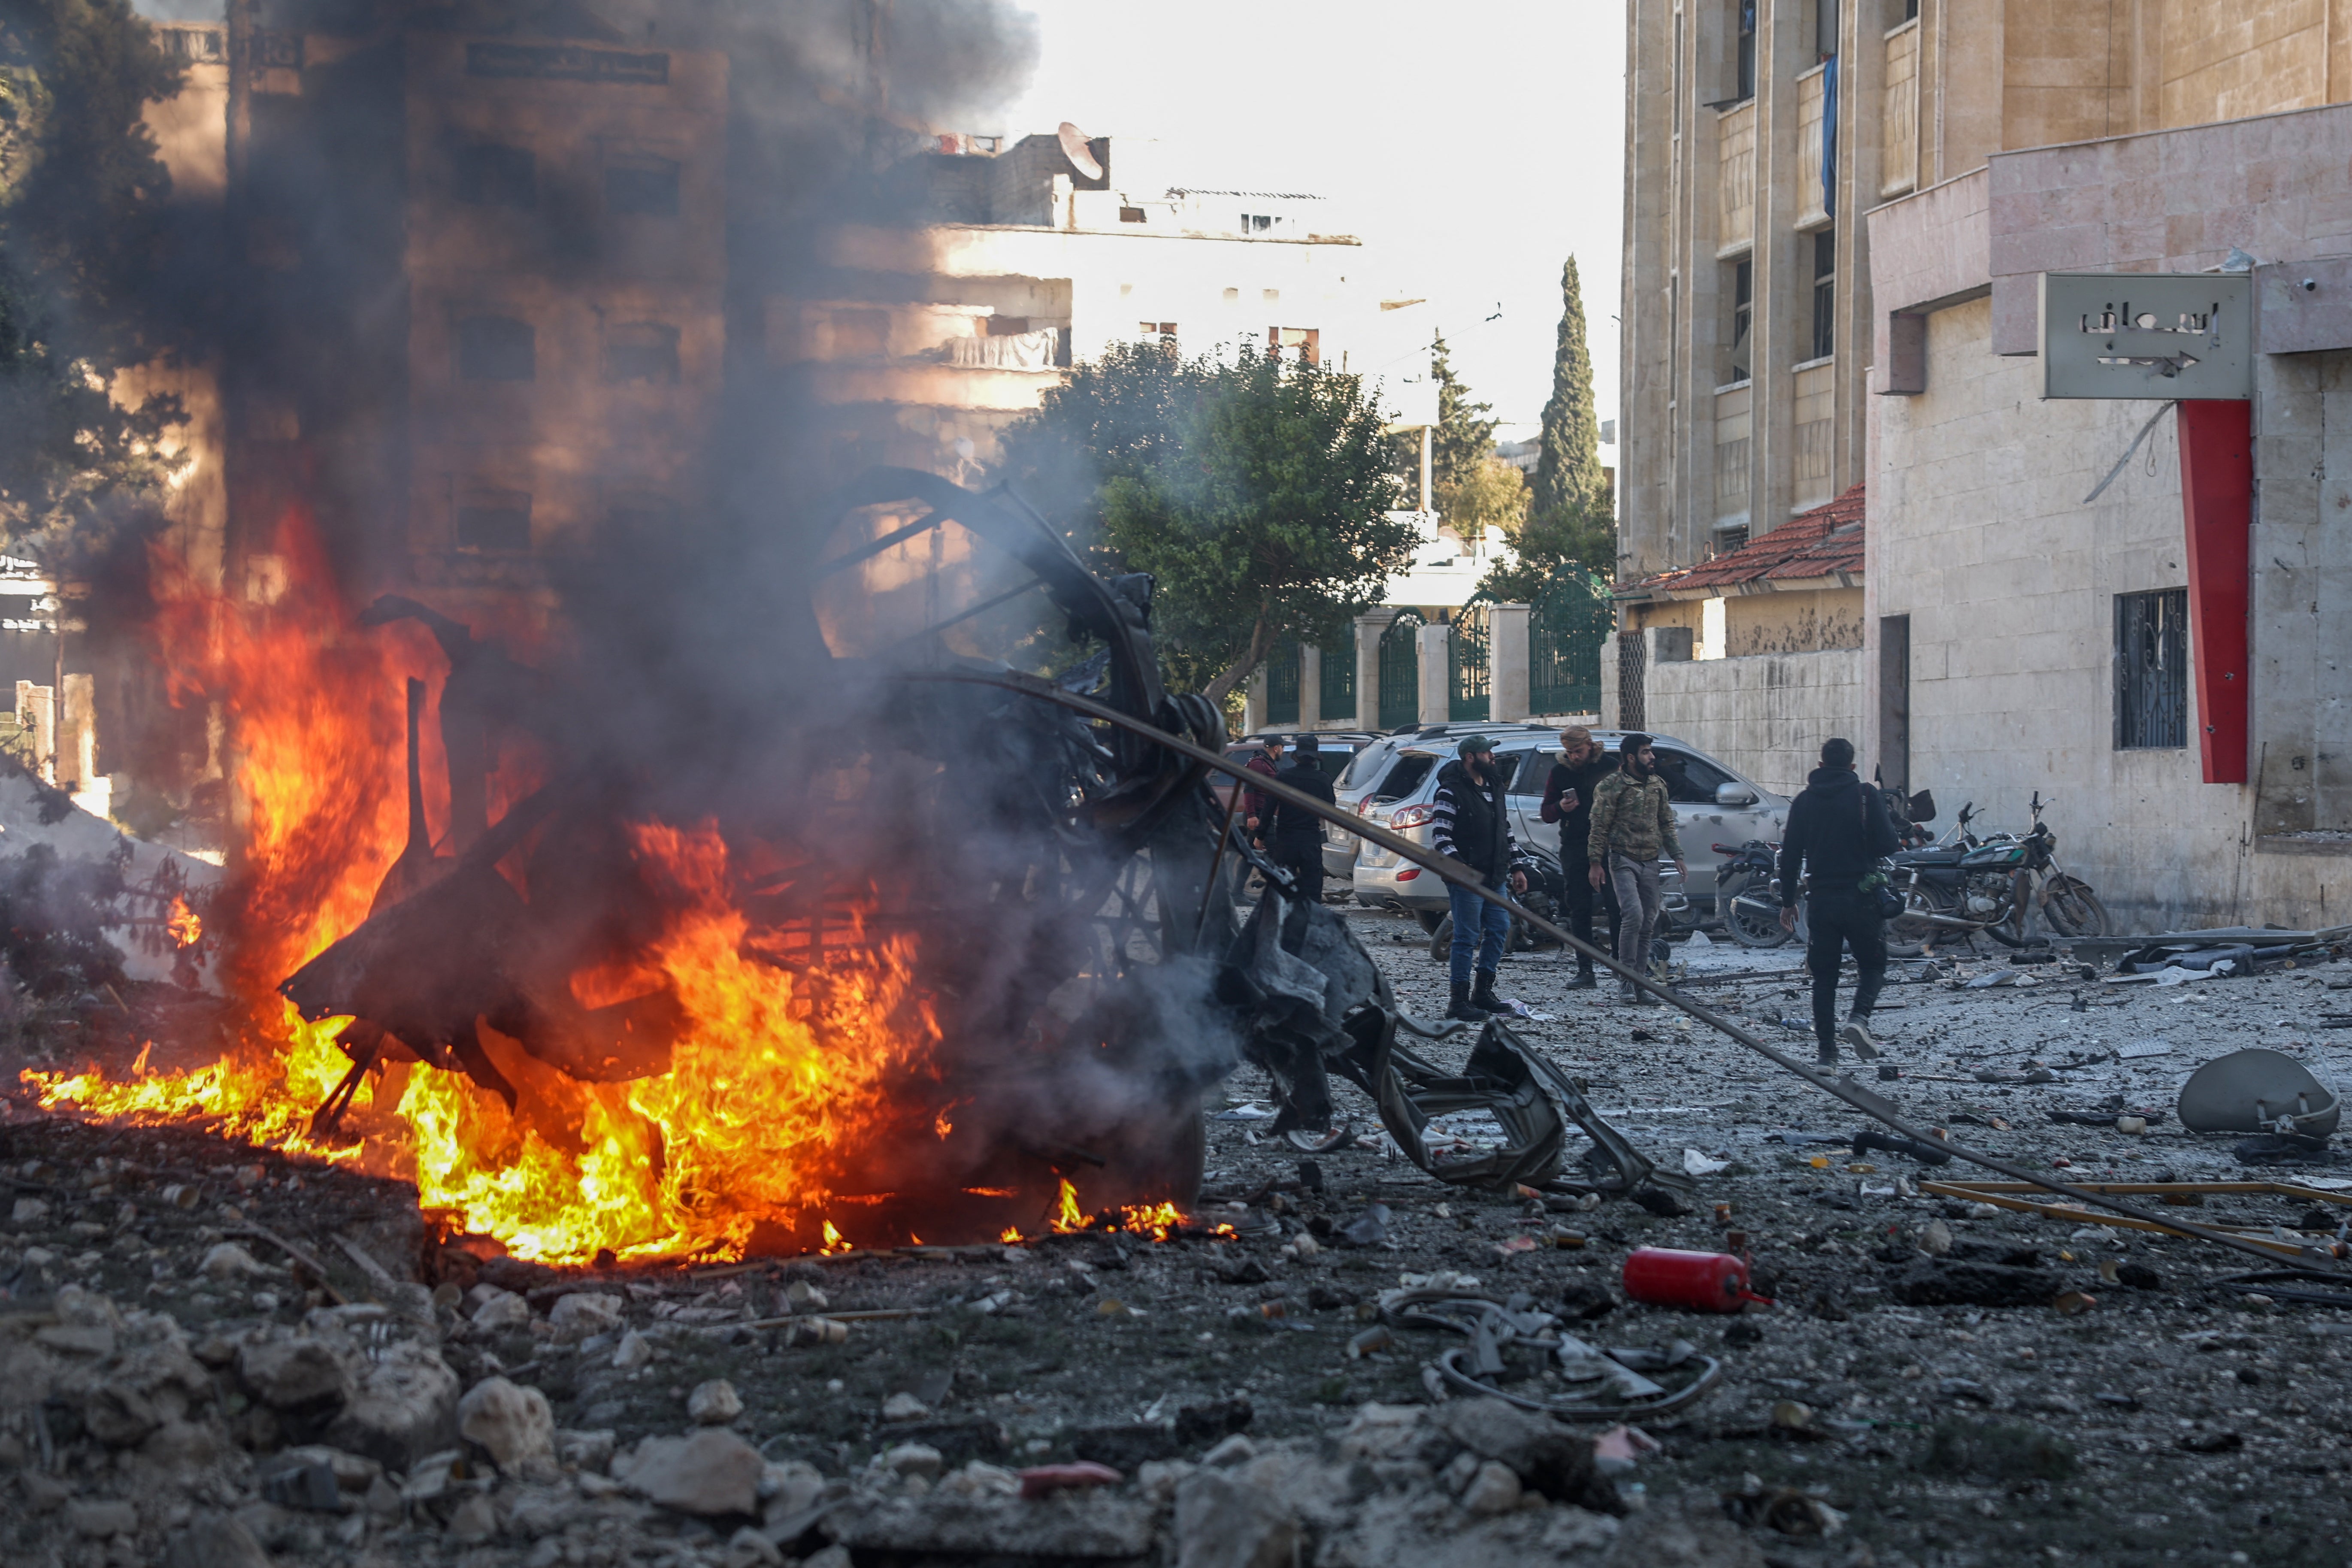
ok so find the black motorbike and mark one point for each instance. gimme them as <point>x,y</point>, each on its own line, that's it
<point>1962,885</point>
<point>1748,893</point>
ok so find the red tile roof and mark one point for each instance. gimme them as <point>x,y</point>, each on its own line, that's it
<point>1822,542</point>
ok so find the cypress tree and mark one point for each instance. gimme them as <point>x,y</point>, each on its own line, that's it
<point>1569,481</point>
<point>1464,436</point>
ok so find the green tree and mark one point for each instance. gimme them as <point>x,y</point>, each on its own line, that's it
<point>84,245</point>
<point>1256,493</point>
<point>1493,495</point>
<point>1464,436</point>
<point>1571,513</point>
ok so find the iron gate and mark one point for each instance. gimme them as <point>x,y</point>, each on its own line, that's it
<point>1401,671</point>
<point>1569,622</point>
<point>1282,684</point>
<point>1469,687</point>
<point>1338,685</point>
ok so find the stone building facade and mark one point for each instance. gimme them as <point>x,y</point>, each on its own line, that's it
<point>2034,632</point>
<point>2018,637</point>
<point>1759,135</point>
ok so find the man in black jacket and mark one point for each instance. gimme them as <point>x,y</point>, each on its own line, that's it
<point>1295,844</point>
<point>1568,800</point>
<point>1468,822</point>
<point>1838,829</point>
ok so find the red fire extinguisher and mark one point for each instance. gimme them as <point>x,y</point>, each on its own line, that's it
<point>1695,1281</point>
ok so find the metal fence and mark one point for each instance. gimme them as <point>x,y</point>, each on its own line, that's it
<point>1469,686</point>
<point>1566,626</point>
<point>1400,696</point>
<point>1282,683</point>
<point>1339,686</point>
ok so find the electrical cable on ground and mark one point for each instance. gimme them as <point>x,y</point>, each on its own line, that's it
<point>1846,1089</point>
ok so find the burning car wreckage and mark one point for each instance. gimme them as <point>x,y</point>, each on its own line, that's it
<point>1069,891</point>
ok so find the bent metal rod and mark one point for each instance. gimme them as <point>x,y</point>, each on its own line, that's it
<point>1846,1089</point>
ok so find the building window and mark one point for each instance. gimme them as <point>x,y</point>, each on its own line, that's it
<point>1303,343</point>
<point>1742,291</point>
<point>644,186</point>
<point>497,348</point>
<point>1260,223</point>
<point>489,175</point>
<point>1824,294</point>
<point>1130,215</point>
<point>1743,82</point>
<point>1825,28</point>
<point>640,351</point>
<point>2152,669</point>
<point>495,520</point>
<point>1161,332</point>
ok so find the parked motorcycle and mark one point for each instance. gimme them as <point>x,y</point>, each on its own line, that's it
<point>1963,884</point>
<point>1748,893</point>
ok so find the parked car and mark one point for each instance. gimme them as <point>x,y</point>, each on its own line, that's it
<point>1394,766</point>
<point>1713,805</point>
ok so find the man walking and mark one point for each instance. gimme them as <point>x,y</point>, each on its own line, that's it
<point>1633,826</point>
<point>1568,800</point>
<point>1837,830</point>
<point>1468,824</point>
<point>1297,842</point>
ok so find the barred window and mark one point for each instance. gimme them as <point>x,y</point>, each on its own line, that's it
<point>2152,669</point>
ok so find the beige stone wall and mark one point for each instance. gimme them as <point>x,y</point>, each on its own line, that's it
<point>1804,622</point>
<point>1979,536</point>
<point>2226,59</point>
<point>1766,715</point>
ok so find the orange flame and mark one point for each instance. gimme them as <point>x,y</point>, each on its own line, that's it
<point>1067,1216</point>
<point>186,930</point>
<point>773,1085</point>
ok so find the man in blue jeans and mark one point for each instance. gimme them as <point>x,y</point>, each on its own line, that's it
<point>1469,824</point>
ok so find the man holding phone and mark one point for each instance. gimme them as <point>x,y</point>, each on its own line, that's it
<point>1568,800</point>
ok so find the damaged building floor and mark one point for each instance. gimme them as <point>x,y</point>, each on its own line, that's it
<point>177,1386</point>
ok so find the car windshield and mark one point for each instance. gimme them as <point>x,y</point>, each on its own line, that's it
<point>1405,777</point>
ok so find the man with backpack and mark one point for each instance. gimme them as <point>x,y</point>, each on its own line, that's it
<point>1838,829</point>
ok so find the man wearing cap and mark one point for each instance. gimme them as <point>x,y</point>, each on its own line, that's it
<point>1468,824</point>
<point>1633,827</point>
<point>1568,800</point>
<point>1295,844</point>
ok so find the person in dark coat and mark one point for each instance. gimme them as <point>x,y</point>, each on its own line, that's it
<point>1838,830</point>
<point>1468,822</point>
<point>1568,800</point>
<point>1296,842</point>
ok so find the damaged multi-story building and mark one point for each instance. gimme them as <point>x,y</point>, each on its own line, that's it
<point>503,285</point>
<point>1839,217</point>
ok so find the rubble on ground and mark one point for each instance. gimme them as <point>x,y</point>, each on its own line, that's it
<point>276,1363</point>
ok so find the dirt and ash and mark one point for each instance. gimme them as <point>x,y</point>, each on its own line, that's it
<point>215,1357</point>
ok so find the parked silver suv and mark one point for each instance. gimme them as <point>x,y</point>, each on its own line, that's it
<point>1713,805</point>
<point>1394,766</point>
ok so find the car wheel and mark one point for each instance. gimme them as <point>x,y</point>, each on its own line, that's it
<point>1430,919</point>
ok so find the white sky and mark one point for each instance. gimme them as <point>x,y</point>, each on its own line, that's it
<point>1473,147</point>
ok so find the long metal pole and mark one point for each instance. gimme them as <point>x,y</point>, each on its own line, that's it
<point>1454,871</point>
